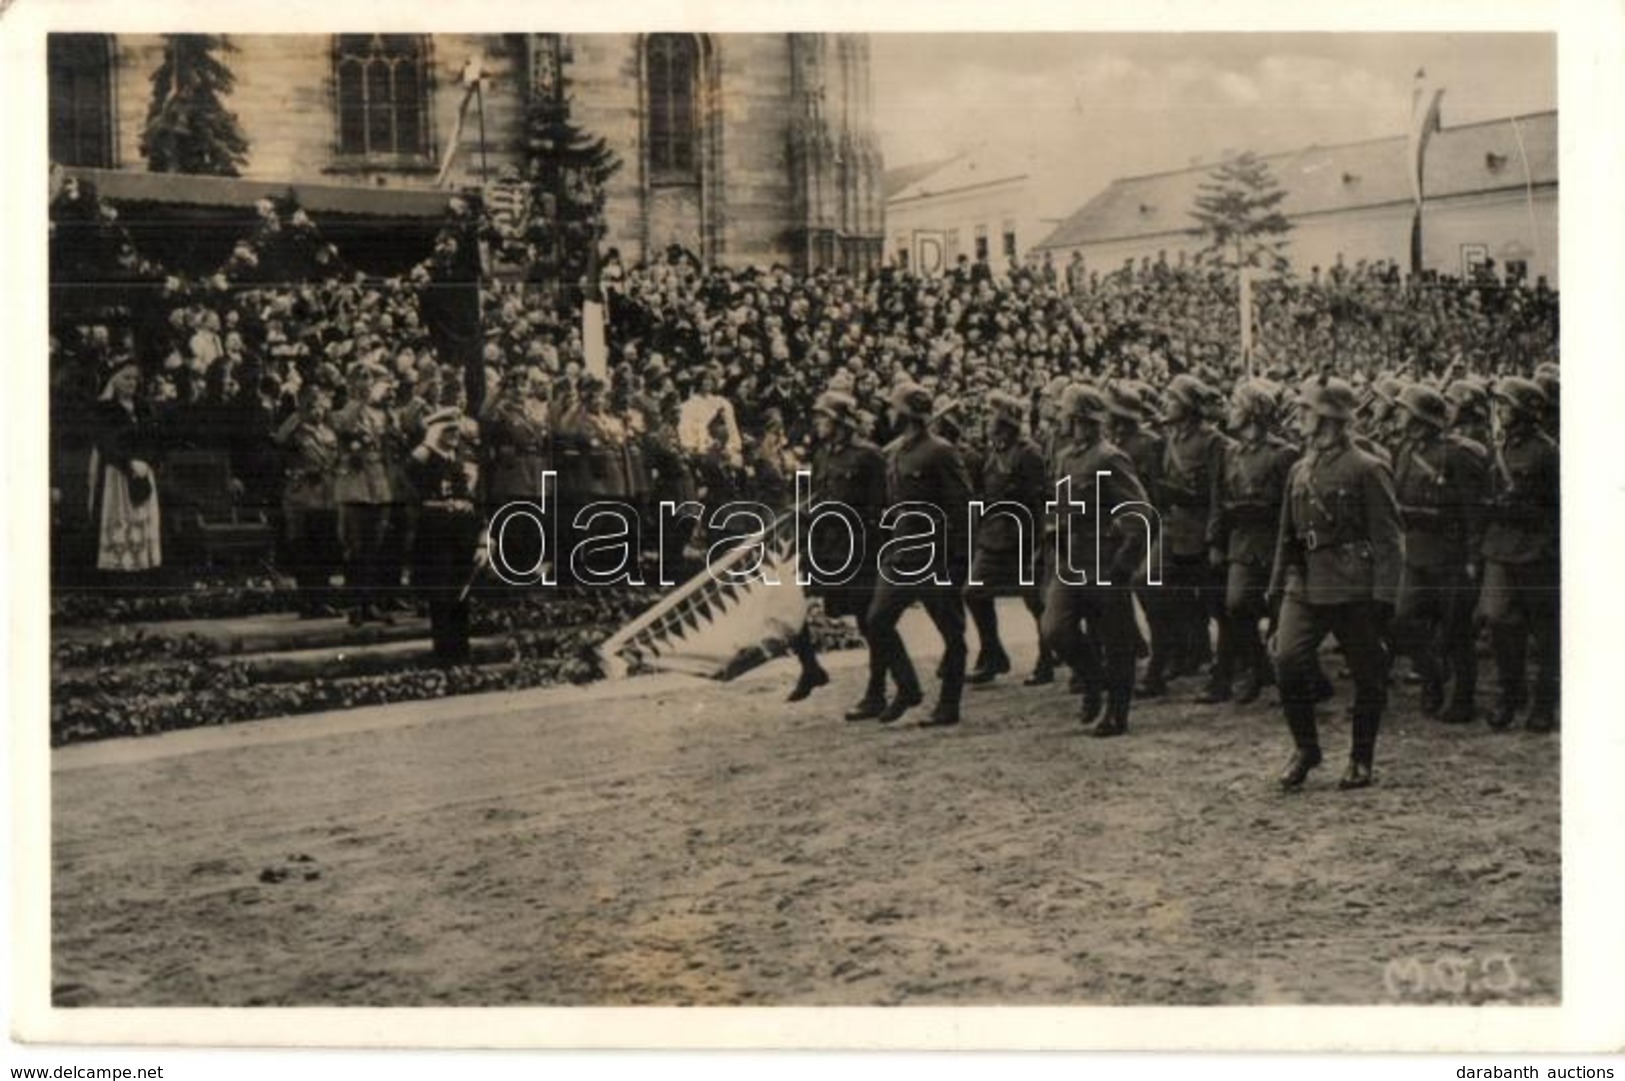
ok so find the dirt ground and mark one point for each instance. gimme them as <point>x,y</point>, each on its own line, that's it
<point>672,841</point>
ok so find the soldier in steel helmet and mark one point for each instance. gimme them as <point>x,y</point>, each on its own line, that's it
<point>1012,472</point>
<point>847,472</point>
<point>1337,565</point>
<point>1521,550</point>
<point>926,472</point>
<point>1106,653</point>
<point>1249,512</point>
<point>1193,463</point>
<point>1441,481</point>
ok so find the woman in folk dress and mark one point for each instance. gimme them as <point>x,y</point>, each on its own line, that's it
<point>123,482</point>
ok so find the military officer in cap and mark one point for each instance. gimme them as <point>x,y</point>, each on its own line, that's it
<point>1012,472</point>
<point>309,518</point>
<point>518,445</point>
<point>1338,555</point>
<point>847,471</point>
<point>1441,481</point>
<point>1250,492</point>
<point>1521,550</point>
<point>923,470</point>
<point>1106,652</point>
<point>444,472</point>
<point>1193,463</point>
<point>363,492</point>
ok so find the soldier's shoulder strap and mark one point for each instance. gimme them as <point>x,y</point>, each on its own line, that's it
<point>1472,446</point>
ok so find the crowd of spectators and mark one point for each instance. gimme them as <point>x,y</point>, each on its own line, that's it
<point>711,373</point>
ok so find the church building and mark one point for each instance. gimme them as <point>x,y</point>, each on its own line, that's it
<point>741,148</point>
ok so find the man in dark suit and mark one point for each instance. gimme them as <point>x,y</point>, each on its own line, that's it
<point>926,474</point>
<point>1338,554</point>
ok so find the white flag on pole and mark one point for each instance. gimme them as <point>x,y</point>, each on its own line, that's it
<point>595,352</point>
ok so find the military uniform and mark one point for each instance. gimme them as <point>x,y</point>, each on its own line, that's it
<point>1338,557</point>
<point>1106,653</point>
<point>1193,464</point>
<point>924,469</point>
<point>1521,553</point>
<point>448,536</point>
<point>1011,472</point>
<point>309,515</point>
<point>1146,449</point>
<point>1441,481</point>
<point>363,492</point>
<point>518,446</point>
<point>1249,513</point>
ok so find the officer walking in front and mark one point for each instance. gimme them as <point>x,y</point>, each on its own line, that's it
<point>1338,556</point>
<point>925,471</point>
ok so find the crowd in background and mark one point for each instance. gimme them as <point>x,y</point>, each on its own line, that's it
<point>710,374</point>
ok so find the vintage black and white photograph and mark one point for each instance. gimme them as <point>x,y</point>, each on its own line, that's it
<point>803,518</point>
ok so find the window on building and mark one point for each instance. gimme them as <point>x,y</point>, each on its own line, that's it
<point>81,124</point>
<point>953,244</point>
<point>1517,270</point>
<point>1009,238</point>
<point>981,243</point>
<point>383,97</point>
<point>672,63</point>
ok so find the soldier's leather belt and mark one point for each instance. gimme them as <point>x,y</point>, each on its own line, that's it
<point>455,505</point>
<point>1313,542</point>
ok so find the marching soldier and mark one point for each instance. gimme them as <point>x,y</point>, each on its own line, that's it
<point>363,492</point>
<point>1012,471</point>
<point>1106,654</point>
<point>1052,437</point>
<point>1338,555</point>
<point>1250,493</point>
<point>1193,462</point>
<point>1132,413</point>
<point>850,472</point>
<point>922,469</point>
<point>1470,411</point>
<point>444,472</point>
<point>309,517</point>
<point>1521,548</point>
<point>1441,481</point>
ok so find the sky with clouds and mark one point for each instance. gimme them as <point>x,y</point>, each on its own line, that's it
<point>1089,107</point>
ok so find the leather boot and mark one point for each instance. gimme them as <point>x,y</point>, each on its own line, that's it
<point>989,667</point>
<point>867,709</point>
<point>900,704</point>
<point>1297,770</point>
<point>811,679</point>
<point>1358,775</point>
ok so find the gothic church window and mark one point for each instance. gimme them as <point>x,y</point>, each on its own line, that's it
<point>383,97</point>
<point>672,79</point>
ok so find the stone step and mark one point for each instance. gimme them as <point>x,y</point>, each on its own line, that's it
<point>344,660</point>
<point>270,633</point>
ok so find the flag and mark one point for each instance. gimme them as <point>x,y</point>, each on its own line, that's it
<point>1246,301</point>
<point>715,627</point>
<point>473,72</point>
<point>595,353</point>
<point>1424,122</point>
